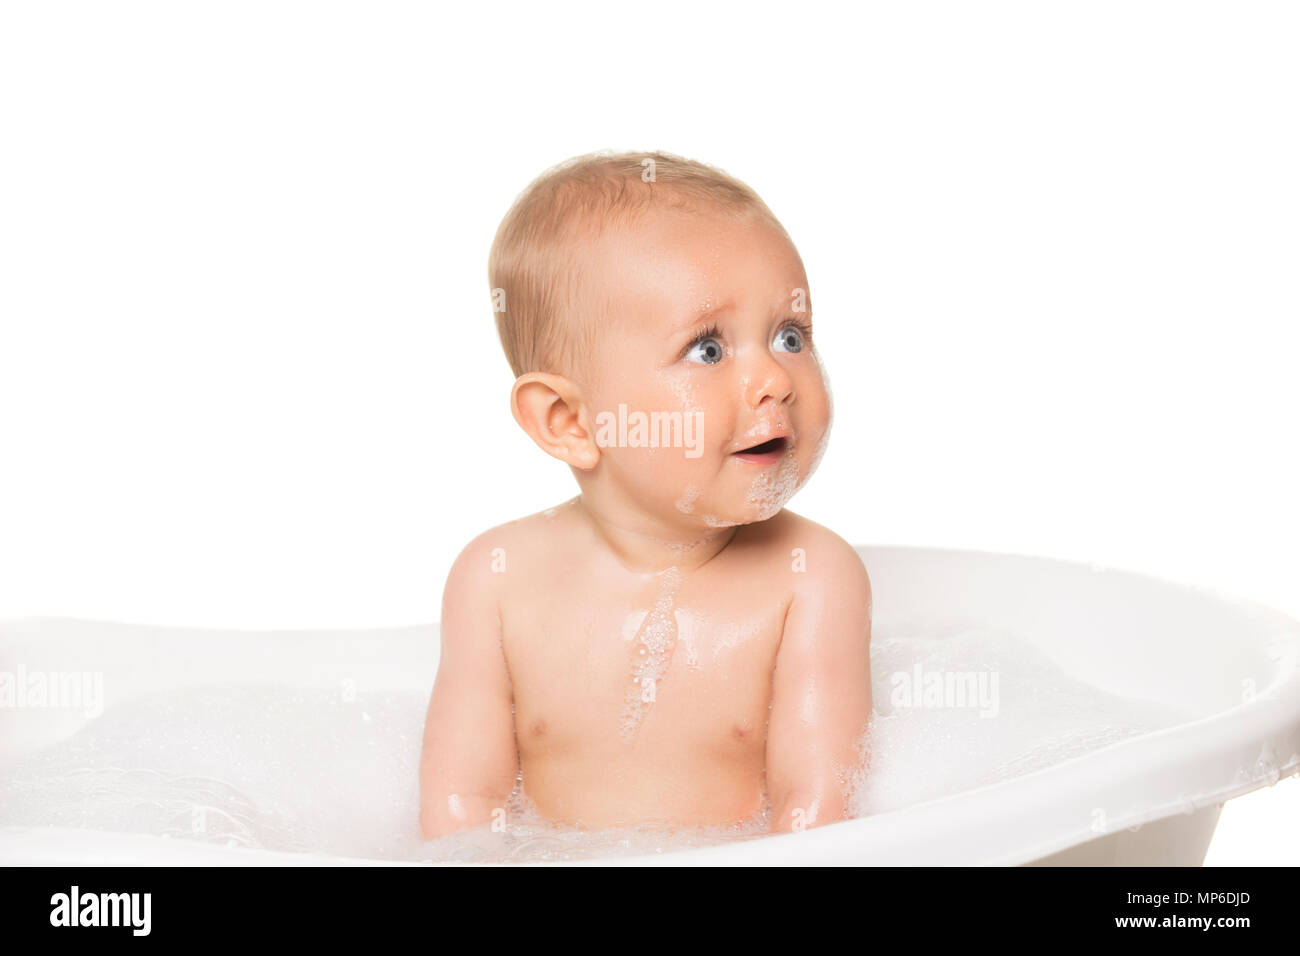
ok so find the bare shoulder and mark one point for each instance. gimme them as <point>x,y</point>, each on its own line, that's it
<point>821,560</point>
<point>829,619</point>
<point>478,575</point>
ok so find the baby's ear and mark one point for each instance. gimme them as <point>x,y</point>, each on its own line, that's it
<point>550,409</point>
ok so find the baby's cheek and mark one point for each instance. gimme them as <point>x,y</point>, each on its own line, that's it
<point>813,447</point>
<point>685,502</point>
<point>818,452</point>
<point>819,414</point>
<point>670,472</point>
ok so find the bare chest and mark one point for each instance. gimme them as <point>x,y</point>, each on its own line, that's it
<point>680,666</point>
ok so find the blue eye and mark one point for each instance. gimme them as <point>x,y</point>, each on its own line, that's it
<point>705,351</point>
<point>789,339</point>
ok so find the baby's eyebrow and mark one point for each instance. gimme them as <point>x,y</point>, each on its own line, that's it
<point>702,315</point>
<point>698,319</point>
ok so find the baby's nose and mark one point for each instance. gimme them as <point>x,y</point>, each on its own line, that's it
<point>768,380</point>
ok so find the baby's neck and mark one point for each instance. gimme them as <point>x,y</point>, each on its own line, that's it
<point>641,544</point>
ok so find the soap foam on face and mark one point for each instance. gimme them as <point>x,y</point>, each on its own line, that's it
<point>773,487</point>
<point>270,766</point>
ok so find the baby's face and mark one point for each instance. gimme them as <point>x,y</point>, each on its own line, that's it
<point>708,347</point>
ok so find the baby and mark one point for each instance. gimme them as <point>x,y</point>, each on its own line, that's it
<point>671,647</point>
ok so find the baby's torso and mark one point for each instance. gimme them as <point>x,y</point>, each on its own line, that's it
<point>643,697</point>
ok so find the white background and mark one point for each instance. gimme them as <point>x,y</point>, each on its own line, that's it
<point>248,371</point>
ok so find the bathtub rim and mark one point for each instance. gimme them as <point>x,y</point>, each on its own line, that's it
<point>1225,597</point>
<point>801,844</point>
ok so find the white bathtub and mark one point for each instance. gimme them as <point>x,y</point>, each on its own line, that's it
<point>1232,666</point>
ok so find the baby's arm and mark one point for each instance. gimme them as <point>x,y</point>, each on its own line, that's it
<point>821,688</point>
<point>469,760</point>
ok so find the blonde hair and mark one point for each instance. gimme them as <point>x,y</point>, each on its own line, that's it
<point>542,295</point>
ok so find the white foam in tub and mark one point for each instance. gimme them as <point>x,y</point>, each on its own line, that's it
<point>1110,716</point>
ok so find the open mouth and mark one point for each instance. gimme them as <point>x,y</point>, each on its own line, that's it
<point>767,451</point>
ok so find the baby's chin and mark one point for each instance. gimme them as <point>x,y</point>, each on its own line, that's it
<point>762,497</point>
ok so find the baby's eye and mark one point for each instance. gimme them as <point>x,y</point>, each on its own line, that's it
<point>705,352</point>
<point>789,339</point>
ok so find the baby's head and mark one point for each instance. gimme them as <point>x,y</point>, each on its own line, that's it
<point>658,320</point>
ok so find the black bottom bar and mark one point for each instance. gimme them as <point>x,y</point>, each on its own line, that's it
<point>336,905</point>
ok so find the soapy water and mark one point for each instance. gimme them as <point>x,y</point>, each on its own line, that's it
<point>269,766</point>
<point>768,493</point>
<point>652,648</point>
<point>686,503</point>
<point>1040,717</point>
<point>772,488</point>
